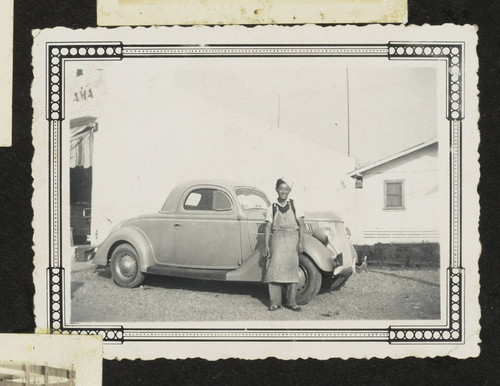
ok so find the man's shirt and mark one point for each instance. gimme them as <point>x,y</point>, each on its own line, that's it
<point>298,210</point>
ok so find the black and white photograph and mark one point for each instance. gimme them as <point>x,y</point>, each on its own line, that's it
<point>31,374</point>
<point>50,359</point>
<point>257,187</point>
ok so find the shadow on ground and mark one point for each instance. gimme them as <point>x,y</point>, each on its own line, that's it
<point>395,274</point>
<point>255,290</point>
<point>75,285</point>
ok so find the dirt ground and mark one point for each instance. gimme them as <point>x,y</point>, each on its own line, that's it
<point>376,294</point>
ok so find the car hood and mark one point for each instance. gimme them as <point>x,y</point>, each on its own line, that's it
<point>322,216</point>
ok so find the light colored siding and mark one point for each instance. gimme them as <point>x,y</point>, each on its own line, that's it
<point>418,220</point>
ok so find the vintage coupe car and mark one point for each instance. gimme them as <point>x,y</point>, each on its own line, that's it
<point>214,229</point>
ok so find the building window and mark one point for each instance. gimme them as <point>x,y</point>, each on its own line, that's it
<point>393,194</point>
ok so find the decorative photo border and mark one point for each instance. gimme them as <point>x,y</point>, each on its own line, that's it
<point>452,53</point>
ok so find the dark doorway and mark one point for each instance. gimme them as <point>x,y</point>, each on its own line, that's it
<point>81,154</point>
<point>81,203</point>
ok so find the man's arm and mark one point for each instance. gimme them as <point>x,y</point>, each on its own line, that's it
<point>300,246</point>
<point>267,237</point>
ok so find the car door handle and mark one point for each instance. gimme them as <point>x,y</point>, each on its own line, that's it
<point>177,226</point>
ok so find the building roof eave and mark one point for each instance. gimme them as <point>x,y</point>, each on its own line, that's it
<point>357,173</point>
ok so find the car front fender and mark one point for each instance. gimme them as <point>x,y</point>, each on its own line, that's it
<point>321,256</point>
<point>349,258</point>
<point>131,235</point>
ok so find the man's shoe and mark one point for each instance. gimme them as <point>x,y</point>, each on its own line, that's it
<point>295,308</point>
<point>274,307</point>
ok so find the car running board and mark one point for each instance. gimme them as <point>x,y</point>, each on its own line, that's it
<point>193,273</point>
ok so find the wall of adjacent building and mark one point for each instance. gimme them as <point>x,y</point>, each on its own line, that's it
<point>419,220</point>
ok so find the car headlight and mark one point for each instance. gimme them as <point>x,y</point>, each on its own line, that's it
<point>323,234</point>
<point>326,236</point>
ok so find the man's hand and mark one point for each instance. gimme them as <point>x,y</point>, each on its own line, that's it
<point>300,247</point>
<point>267,253</point>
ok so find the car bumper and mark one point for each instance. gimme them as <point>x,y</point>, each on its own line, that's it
<point>343,271</point>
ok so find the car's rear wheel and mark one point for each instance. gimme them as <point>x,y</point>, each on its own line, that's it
<point>309,280</point>
<point>125,266</point>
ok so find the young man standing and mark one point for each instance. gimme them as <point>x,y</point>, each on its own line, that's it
<point>286,224</point>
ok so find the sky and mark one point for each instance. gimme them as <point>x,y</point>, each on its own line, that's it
<point>389,108</point>
<point>162,122</point>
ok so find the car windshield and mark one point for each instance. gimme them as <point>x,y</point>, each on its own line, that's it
<point>249,198</point>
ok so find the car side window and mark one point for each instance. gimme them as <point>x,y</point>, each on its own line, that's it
<point>249,198</point>
<point>221,201</point>
<point>207,199</point>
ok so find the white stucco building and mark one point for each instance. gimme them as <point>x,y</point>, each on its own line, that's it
<point>396,199</point>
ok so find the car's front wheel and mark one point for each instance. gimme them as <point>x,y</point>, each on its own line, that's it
<point>125,266</point>
<point>309,280</point>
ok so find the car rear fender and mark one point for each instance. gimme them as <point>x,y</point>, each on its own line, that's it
<point>319,254</point>
<point>131,235</point>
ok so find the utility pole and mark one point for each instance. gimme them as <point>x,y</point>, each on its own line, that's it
<point>348,116</point>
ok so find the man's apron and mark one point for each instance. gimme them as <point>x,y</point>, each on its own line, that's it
<point>284,263</point>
